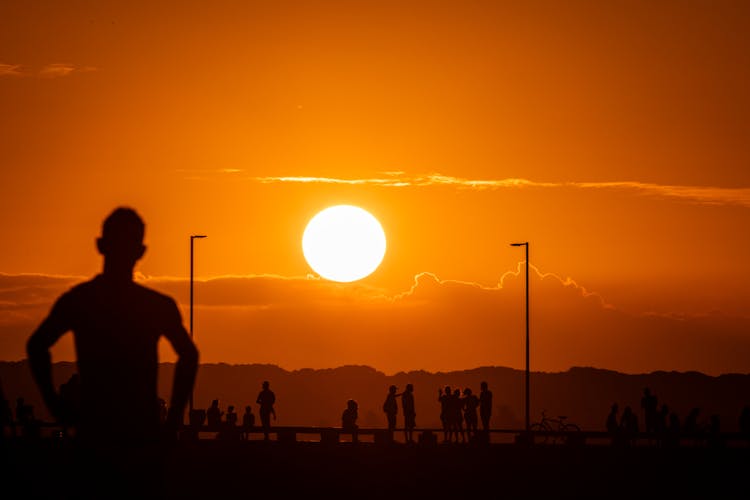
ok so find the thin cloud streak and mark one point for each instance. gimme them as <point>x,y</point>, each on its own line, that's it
<point>48,71</point>
<point>11,70</point>
<point>709,195</point>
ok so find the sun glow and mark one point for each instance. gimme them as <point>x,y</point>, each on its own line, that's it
<point>344,243</point>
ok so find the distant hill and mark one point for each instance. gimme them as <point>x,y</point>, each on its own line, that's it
<point>317,397</point>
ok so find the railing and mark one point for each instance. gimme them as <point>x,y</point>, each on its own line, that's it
<point>427,436</point>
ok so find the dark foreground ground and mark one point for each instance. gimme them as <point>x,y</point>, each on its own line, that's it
<point>210,470</point>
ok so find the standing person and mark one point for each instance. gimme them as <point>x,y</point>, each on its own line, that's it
<point>485,406</point>
<point>456,417</point>
<point>390,407</point>
<point>629,426</point>
<point>611,422</point>
<point>116,325</point>
<point>410,414</point>
<point>444,400</point>
<point>649,404</point>
<point>266,399</point>
<point>469,404</point>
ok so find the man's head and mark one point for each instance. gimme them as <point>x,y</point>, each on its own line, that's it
<point>122,237</point>
<point>266,384</point>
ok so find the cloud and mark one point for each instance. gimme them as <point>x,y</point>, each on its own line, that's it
<point>436,324</point>
<point>709,195</point>
<point>11,70</point>
<point>58,70</point>
<point>53,70</point>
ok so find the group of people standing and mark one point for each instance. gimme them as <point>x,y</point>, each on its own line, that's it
<point>455,409</point>
<point>390,407</point>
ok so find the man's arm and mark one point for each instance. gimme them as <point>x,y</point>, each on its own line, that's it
<point>185,369</point>
<point>37,350</point>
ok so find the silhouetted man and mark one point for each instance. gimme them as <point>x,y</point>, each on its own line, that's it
<point>485,405</point>
<point>649,404</point>
<point>266,399</point>
<point>390,408</point>
<point>444,400</point>
<point>116,326</point>
<point>470,403</point>
<point>410,413</point>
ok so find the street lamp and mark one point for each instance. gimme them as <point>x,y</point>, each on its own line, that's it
<point>526,244</point>
<point>192,237</point>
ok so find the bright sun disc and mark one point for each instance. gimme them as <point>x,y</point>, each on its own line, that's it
<point>344,243</point>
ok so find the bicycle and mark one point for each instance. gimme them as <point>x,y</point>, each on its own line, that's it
<point>554,429</point>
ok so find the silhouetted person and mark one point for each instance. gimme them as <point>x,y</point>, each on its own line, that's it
<point>349,419</point>
<point>662,424</point>
<point>456,417</point>
<point>649,403</point>
<point>470,403</point>
<point>248,421</point>
<point>714,432</point>
<point>213,415</point>
<point>485,406</point>
<point>444,400</point>
<point>390,407</point>
<point>673,430</point>
<point>266,399</point>
<point>410,414</point>
<point>690,426</point>
<point>116,327</point>
<point>231,417</point>
<point>612,424</point>
<point>229,428</point>
<point>629,425</point>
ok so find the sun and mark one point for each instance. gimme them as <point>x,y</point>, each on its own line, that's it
<point>344,243</point>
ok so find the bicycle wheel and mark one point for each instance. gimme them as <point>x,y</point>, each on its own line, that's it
<point>539,428</point>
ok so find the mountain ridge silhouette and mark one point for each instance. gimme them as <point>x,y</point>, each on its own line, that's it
<point>309,396</point>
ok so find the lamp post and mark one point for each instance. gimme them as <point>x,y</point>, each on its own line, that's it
<point>526,244</point>
<point>192,237</point>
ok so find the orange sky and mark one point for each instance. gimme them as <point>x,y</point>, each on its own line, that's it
<point>613,137</point>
